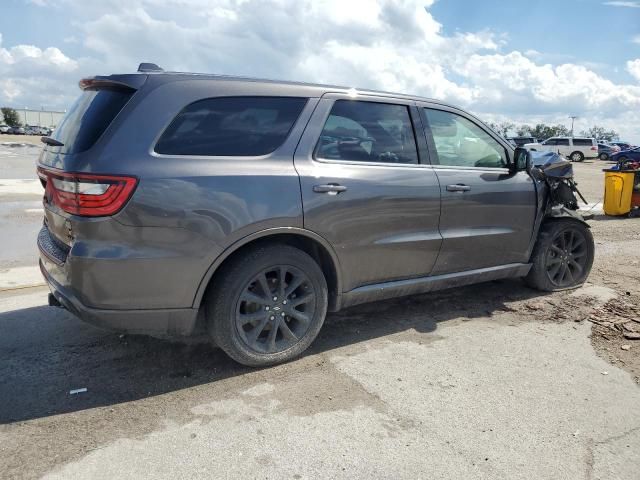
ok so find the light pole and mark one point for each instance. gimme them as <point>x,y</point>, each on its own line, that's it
<point>572,117</point>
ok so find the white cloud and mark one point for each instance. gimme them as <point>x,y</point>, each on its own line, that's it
<point>624,4</point>
<point>633,67</point>
<point>380,44</point>
<point>34,77</point>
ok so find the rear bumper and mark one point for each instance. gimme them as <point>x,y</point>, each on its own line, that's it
<point>156,322</point>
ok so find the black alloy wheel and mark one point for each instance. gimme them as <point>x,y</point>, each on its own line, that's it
<point>267,304</point>
<point>567,258</point>
<point>275,309</point>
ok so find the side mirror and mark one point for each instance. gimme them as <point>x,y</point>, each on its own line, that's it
<point>521,160</point>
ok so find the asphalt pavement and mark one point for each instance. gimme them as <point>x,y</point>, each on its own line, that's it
<point>490,381</point>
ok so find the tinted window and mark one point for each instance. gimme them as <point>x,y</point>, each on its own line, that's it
<point>231,126</point>
<point>583,142</point>
<point>563,141</point>
<point>89,117</point>
<point>368,132</point>
<point>460,142</point>
<point>551,141</point>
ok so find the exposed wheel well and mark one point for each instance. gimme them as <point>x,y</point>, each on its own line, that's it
<point>308,245</point>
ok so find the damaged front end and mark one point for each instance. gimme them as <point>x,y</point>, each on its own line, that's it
<point>557,189</point>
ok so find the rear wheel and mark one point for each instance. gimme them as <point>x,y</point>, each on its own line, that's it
<point>622,159</point>
<point>562,257</point>
<point>267,306</point>
<point>576,157</point>
<point>604,156</point>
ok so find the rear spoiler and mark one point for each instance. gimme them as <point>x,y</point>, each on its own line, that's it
<point>128,82</point>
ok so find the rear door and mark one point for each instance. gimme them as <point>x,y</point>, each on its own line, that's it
<point>488,213</point>
<point>367,187</point>
<point>587,146</point>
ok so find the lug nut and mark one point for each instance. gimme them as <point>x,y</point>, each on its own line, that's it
<point>272,318</point>
<point>275,299</point>
<point>284,302</point>
<point>282,314</point>
<point>267,308</point>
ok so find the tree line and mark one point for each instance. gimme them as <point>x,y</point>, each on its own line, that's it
<point>542,131</point>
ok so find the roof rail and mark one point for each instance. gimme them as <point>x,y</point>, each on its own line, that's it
<point>149,67</point>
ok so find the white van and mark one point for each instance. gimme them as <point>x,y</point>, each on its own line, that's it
<point>575,149</point>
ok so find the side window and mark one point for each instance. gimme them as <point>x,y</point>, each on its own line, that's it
<point>583,142</point>
<point>551,141</point>
<point>368,132</point>
<point>231,126</point>
<point>460,142</point>
<point>562,141</point>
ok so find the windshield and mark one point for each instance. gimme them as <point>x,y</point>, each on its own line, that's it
<point>89,117</point>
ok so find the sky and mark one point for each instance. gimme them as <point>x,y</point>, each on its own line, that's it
<point>521,61</point>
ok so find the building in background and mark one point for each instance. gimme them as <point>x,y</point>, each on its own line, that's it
<point>40,118</point>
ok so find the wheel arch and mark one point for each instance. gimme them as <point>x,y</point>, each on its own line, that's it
<point>563,213</point>
<point>311,243</point>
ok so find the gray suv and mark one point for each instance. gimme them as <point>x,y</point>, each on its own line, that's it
<point>181,203</point>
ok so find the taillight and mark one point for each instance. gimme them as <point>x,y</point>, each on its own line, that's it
<point>595,149</point>
<point>89,195</point>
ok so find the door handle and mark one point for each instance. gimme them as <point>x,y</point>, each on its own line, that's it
<point>330,188</point>
<point>458,187</point>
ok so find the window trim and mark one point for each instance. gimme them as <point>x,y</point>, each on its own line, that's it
<point>368,99</point>
<point>478,123</point>
<point>156,140</point>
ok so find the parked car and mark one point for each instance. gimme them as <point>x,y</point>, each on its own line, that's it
<point>605,150</point>
<point>621,156</point>
<point>622,145</point>
<point>575,149</point>
<point>179,203</point>
<point>16,131</point>
<point>522,141</point>
<point>4,128</point>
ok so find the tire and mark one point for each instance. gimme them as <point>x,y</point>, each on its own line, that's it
<point>248,299</point>
<point>604,157</point>
<point>548,254</point>
<point>622,159</point>
<point>576,157</point>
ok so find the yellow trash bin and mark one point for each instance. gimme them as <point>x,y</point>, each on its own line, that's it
<point>618,188</point>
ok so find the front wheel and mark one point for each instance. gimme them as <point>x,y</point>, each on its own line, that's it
<point>576,157</point>
<point>267,306</point>
<point>562,257</point>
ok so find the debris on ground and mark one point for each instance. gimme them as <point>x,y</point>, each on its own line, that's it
<point>619,316</point>
<point>77,390</point>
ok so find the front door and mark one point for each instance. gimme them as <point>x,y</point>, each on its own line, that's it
<point>488,213</point>
<point>367,189</point>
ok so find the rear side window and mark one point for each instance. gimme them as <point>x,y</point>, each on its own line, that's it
<point>368,132</point>
<point>231,126</point>
<point>583,142</point>
<point>89,117</point>
<point>562,141</point>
